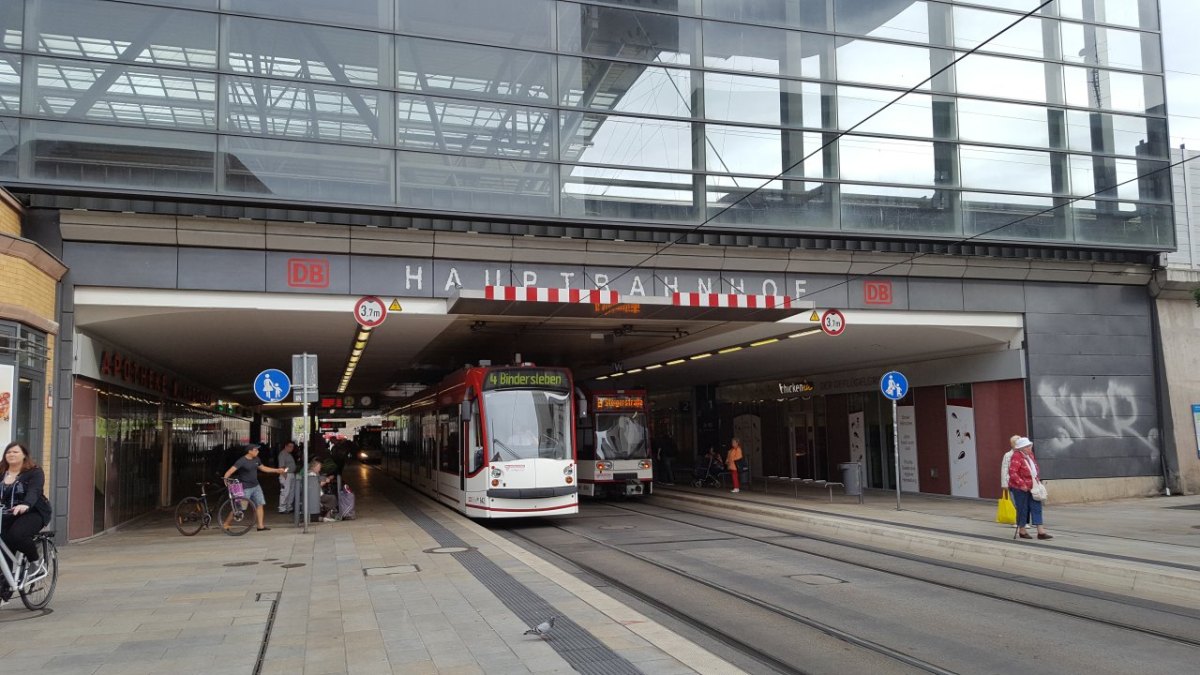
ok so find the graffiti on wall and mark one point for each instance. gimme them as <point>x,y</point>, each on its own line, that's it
<point>1078,413</point>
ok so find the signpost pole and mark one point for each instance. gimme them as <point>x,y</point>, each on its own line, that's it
<point>896,443</point>
<point>304,384</point>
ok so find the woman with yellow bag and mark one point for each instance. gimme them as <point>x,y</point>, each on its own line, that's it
<point>1005,511</point>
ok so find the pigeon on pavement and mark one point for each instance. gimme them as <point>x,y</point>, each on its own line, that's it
<point>543,629</point>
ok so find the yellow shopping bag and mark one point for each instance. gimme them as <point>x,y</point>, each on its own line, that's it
<point>1005,511</point>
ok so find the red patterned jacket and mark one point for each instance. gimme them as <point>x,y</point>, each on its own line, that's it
<point>1020,476</point>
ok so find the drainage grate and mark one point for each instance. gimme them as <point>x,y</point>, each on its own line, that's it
<point>386,571</point>
<point>575,645</point>
<point>449,549</point>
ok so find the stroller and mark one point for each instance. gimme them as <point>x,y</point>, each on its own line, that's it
<point>708,475</point>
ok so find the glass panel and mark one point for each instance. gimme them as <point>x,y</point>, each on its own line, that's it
<point>366,13</point>
<point>474,128</point>
<point>484,72</point>
<point>303,110</point>
<point>1023,80</point>
<point>906,20</point>
<point>11,24</point>
<point>677,6</point>
<point>308,171</point>
<point>1096,45</point>
<point>131,33</point>
<point>626,141</point>
<point>474,184</point>
<point>10,84</point>
<point>973,26</point>
<point>779,205</point>
<point>624,87</point>
<point>768,51</point>
<point>9,142</point>
<point>306,52</point>
<point>1094,88</point>
<point>626,194</point>
<point>763,100</point>
<point>992,121</point>
<point>886,160</point>
<point>89,154</point>
<point>1122,223</point>
<point>1004,169</point>
<point>882,63</point>
<point>1119,178</point>
<point>128,94</point>
<point>639,36</point>
<point>796,13</point>
<point>512,23</point>
<point>1117,134</point>
<point>876,208</point>
<point>910,116</point>
<point>767,152</point>
<point>1134,13</point>
<point>998,216</point>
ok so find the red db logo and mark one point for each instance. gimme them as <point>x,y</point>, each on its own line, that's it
<point>877,292</point>
<point>308,273</point>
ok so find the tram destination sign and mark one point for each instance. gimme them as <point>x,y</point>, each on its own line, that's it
<point>527,378</point>
<point>623,403</point>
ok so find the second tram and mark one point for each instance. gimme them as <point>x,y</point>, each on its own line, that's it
<point>489,441</point>
<point>614,444</point>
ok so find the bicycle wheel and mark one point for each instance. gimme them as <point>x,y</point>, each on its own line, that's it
<point>189,516</point>
<point>37,594</point>
<point>240,519</point>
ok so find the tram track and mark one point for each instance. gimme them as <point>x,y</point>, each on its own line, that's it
<point>1010,594</point>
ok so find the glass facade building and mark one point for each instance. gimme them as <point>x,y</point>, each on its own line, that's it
<point>761,115</point>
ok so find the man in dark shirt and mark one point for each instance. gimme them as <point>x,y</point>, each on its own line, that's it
<point>247,468</point>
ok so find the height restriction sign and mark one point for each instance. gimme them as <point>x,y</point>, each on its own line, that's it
<point>833,322</point>
<point>369,311</point>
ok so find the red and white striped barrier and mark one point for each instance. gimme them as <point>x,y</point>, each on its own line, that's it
<point>537,294</point>
<point>731,300</point>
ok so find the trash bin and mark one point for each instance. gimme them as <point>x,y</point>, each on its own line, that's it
<point>851,477</point>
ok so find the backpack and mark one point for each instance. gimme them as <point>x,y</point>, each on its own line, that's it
<point>346,504</point>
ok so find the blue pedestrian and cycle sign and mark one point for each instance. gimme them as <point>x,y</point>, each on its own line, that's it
<point>894,385</point>
<point>272,386</point>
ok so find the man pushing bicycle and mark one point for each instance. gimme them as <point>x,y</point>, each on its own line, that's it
<point>247,468</point>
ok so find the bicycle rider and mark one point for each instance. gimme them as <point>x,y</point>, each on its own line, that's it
<point>29,510</point>
<point>247,468</point>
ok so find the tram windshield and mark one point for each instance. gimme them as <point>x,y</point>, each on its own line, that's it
<point>621,436</point>
<point>528,424</point>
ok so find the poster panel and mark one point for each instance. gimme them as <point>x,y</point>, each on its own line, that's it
<point>8,403</point>
<point>906,445</point>
<point>964,469</point>
<point>858,439</point>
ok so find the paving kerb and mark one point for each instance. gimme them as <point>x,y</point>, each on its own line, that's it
<point>1152,582</point>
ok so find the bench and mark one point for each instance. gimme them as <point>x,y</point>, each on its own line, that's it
<point>797,482</point>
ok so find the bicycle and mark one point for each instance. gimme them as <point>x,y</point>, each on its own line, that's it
<point>193,514</point>
<point>34,581</point>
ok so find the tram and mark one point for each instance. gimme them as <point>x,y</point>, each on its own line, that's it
<point>489,441</point>
<point>614,443</point>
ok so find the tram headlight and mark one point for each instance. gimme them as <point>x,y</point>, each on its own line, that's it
<point>644,464</point>
<point>569,470</point>
<point>604,466</point>
<point>496,472</point>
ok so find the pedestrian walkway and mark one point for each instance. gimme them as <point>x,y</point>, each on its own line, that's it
<point>1148,548</point>
<point>398,590</point>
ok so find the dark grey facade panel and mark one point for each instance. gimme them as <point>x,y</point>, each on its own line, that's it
<point>1093,324</point>
<point>122,265</point>
<point>1107,349</point>
<point>1064,364</point>
<point>1054,407</point>
<point>936,295</point>
<point>865,293</point>
<point>1087,299</point>
<point>994,296</point>
<point>1104,468</point>
<point>307,273</point>
<point>222,270</point>
<point>373,275</point>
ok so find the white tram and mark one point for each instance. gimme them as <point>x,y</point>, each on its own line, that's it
<point>614,444</point>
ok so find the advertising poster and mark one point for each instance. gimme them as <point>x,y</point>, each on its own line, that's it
<point>906,445</point>
<point>7,403</point>
<point>1196,421</point>
<point>858,439</point>
<point>964,469</point>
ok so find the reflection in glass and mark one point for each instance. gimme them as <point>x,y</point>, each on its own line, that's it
<point>626,34</point>
<point>307,52</point>
<point>11,24</point>
<point>510,23</point>
<point>767,51</point>
<point>624,87</point>
<point>886,160</point>
<point>1005,33</point>
<point>1133,13</point>
<point>90,154</point>
<point>1129,92</point>
<point>626,141</point>
<point>10,83</point>
<point>1116,134</point>
<point>1011,123</point>
<point>1001,216</point>
<point>305,110</point>
<point>879,208</point>
<point>1023,80</point>
<point>881,63</point>
<point>621,436</point>
<point>794,13</point>
<point>1119,178</point>
<point>766,152</point>
<point>366,13</point>
<point>791,205</point>
<point>625,194</point>
<point>1122,223</point>
<point>1100,46</point>
<point>9,142</point>
<point>910,116</point>
<point>473,127</point>
<point>906,20</point>
<point>486,72</point>
<point>474,184</point>
<point>763,100</point>
<point>119,32</point>
<point>125,93</point>
<point>1005,169</point>
<point>307,171</point>
<point>528,424</point>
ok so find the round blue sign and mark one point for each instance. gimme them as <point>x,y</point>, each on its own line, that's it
<point>272,386</point>
<point>894,385</point>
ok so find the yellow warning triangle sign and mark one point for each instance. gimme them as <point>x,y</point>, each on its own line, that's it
<point>814,316</point>
<point>395,306</point>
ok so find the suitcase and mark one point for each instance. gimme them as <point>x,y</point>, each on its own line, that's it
<point>346,504</point>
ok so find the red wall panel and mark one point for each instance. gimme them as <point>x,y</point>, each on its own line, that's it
<point>933,462</point>
<point>82,491</point>
<point>999,414</point>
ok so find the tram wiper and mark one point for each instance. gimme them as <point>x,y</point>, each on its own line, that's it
<point>497,444</point>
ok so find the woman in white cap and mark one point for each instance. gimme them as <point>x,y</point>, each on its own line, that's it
<point>1022,477</point>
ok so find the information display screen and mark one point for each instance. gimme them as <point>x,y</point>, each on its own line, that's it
<point>527,378</point>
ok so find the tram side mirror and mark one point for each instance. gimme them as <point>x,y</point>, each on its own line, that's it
<point>465,411</point>
<point>580,404</point>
